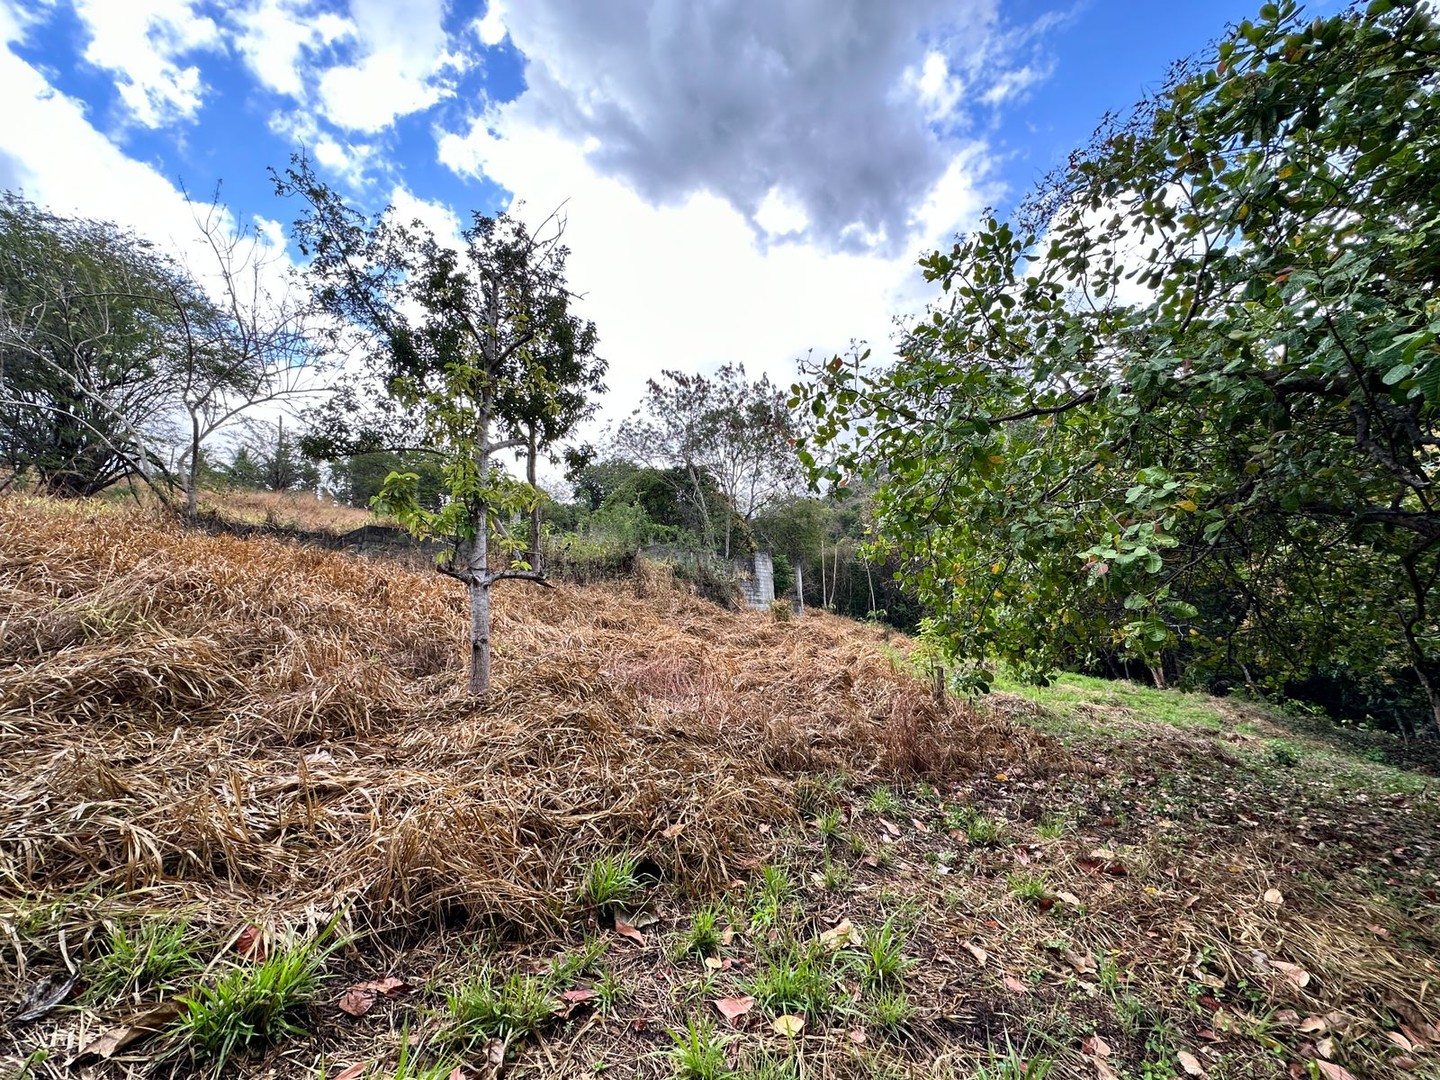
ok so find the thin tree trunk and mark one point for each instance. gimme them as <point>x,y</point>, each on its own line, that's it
<point>800,584</point>
<point>824,600</point>
<point>870,581</point>
<point>192,496</point>
<point>478,580</point>
<point>530,469</point>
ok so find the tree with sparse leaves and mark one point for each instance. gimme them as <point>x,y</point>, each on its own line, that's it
<point>470,348</point>
<point>724,431</point>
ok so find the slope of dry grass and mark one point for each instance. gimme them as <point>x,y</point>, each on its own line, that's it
<point>233,720</point>
<point>213,734</point>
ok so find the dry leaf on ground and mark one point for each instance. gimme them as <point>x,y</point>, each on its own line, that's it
<point>733,1008</point>
<point>789,1025</point>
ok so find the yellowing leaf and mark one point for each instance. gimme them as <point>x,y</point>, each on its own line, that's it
<point>789,1025</point>
<point>1186,504</point>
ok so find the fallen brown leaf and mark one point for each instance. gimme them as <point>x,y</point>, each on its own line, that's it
<point>1331,1071</point>
<point>352,1072</point>
<point>980,955</point>
<point>1294,972</point>
<point>732,1008</point>
<point>250,943</point>
<point>1190,1063</point>
<point>1274,897</point>
<point>149,1022</point>
<point>625,929</point>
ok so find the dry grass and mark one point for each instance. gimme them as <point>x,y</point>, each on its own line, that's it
<point>298,510</point>
<point>269,729</point>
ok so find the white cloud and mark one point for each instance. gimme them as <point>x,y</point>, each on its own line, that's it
<point>144,44</point>
<point>405,65</point>
<point>276,37</point>
<point>491,28</point>
<point>62,162</point>
<point>690,285</point>
<point>780,213</point>
<point>937,90</point>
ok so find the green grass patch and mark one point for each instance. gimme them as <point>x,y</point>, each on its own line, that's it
<point>251,1004</point>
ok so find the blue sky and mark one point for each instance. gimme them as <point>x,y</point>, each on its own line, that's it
<point>746,179</point>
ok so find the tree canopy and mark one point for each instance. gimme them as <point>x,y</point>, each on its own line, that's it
<point>1183,410</point>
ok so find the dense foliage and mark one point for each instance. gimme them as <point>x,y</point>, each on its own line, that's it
<point>91,325</point>
<point>1184,412</point>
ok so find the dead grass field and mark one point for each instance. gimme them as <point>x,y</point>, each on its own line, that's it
<point>240,784</point>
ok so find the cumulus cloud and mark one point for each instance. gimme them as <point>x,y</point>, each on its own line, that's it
<point>405,64</point>
<point>278,39</point>
<point>148,45</point>
<point>848,108</point>
<point>690,284</point>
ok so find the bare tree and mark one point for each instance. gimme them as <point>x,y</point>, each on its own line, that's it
<point>251,346</point>
<point>736,434</point>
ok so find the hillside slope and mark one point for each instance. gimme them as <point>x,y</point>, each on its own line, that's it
<point>218,738</point>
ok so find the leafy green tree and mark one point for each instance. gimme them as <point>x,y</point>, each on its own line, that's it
<point>90,317</point>
<point>1185,411</point>
<point>454,337</point>
<point>359,479</point>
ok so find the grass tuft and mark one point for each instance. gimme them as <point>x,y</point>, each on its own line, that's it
<point>156,956</point>
<point>252,1004</point>
<point>489,1007</point>
<point>699,1052</point>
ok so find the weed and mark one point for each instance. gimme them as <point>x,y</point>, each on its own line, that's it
<point>699,1052</point>
<point>1013,1064</point>
<point>703,937</point>
<point>857,845</point>
<point>881,957</point>
<point>773,890</point>
<point>883,801</point>
<point>610,881</point>
<point>884,857</point>
<point>158,955</point>
<point>252,1004</point>
<point>609,991</point>
<point>834,878</point>
<point>1109,974</point>
<point>795,979</point>
<point>890,1010</point>
<point>1027,886</point>
<point>983,832</point>
<point>1131,1014</point>
<point>830,825</point>
<point>767,1066</point>
<point>406,1070</point>
<point>1284,753</point>
<point>491,1008</point>
<point>1052,826</point>
<point>566,969</point>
